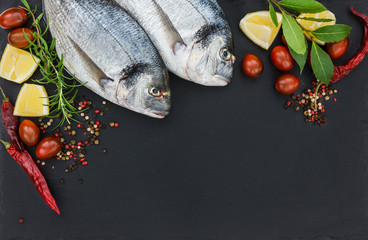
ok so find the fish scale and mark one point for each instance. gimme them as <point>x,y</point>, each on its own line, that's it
<point>105,48</point>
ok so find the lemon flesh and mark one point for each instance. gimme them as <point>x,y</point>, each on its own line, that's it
<point>260,29</point>
<point>17,65</point>
<point>32,101</point>
<point>311,25</point>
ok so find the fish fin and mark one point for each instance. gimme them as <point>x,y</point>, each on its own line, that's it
<point>96,73</point>
<point>177,43</point>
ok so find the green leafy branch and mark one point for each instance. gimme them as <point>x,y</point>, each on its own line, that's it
<point>294,33</point>
<point>52,70</point>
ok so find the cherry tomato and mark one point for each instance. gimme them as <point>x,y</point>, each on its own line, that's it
<point>287,84</point>
<point>48,147</point>
<point>252,65</point>
<point>17,39</point>
<point>13,18</point>
<point>284,40</point>
<point>29,133</point>
<point>337,49</point>
<point>282,58</point>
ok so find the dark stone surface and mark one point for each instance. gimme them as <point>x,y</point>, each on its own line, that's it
<point>227,164</point>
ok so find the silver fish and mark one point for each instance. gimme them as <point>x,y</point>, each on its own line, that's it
<point>104,47</point>
<point>192,36</point>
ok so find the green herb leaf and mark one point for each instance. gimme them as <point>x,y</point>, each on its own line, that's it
<point>316,19</point>
<point>293,34</point>
<point>300,59</point>
<point>303,6</point>
<point>333,33</point>
<point>273,15</point>
<point>322,65</point>
<point>25,3</point>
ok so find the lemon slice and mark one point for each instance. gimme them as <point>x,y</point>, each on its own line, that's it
<point>311,25</point>
<point>17,65</point>
<point>32,101</point>
<point>259,28</point>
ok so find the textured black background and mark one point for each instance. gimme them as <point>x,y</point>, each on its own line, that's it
<point>228,163</point>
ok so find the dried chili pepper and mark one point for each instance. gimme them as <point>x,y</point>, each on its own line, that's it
<point>30,167</point>
<point>342,71</point>
<point>16,149</point>
<point>11,122</point>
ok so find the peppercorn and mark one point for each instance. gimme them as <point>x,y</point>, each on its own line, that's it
<point>310,102</point>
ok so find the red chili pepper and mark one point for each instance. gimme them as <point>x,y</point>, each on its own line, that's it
<point>30,167</point>
<point>11,122</point>
<point>342,71</point>
<point>16,149</point>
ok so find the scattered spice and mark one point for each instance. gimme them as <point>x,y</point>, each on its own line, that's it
<point>311,102</point>
<point>87,131</point>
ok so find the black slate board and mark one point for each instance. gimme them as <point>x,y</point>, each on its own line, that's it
<point>228,163</point>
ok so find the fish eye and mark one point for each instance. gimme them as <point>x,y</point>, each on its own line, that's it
<point>225,54</point>
<point>154,91</point>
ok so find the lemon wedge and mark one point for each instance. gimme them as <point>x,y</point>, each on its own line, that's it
<point>32,101</point>
<point>311,25</point>
<point>259,28</point>
<point>17,65</point>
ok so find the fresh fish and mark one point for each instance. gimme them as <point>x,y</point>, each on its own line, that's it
<point>104,47</point>
<point>192,36</point>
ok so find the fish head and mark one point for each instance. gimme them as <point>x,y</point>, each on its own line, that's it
<point>145,90</point>
<point>211,61</point>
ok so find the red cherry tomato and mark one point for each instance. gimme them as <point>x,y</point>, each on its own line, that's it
<point>282,58</point>
<point>48,147</point>
<point>284,40</point>
<point>252,65</point>
<point>17,39</point>
<point>337,49</point>
<point>287,84</point>
<point>13,18</point>
<point>29,133</point>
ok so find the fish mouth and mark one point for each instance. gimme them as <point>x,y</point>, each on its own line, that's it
<point>220,81</point>
<point>157,114</point>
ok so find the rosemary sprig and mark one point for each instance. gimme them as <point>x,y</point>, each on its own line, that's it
<point>52,70</point>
